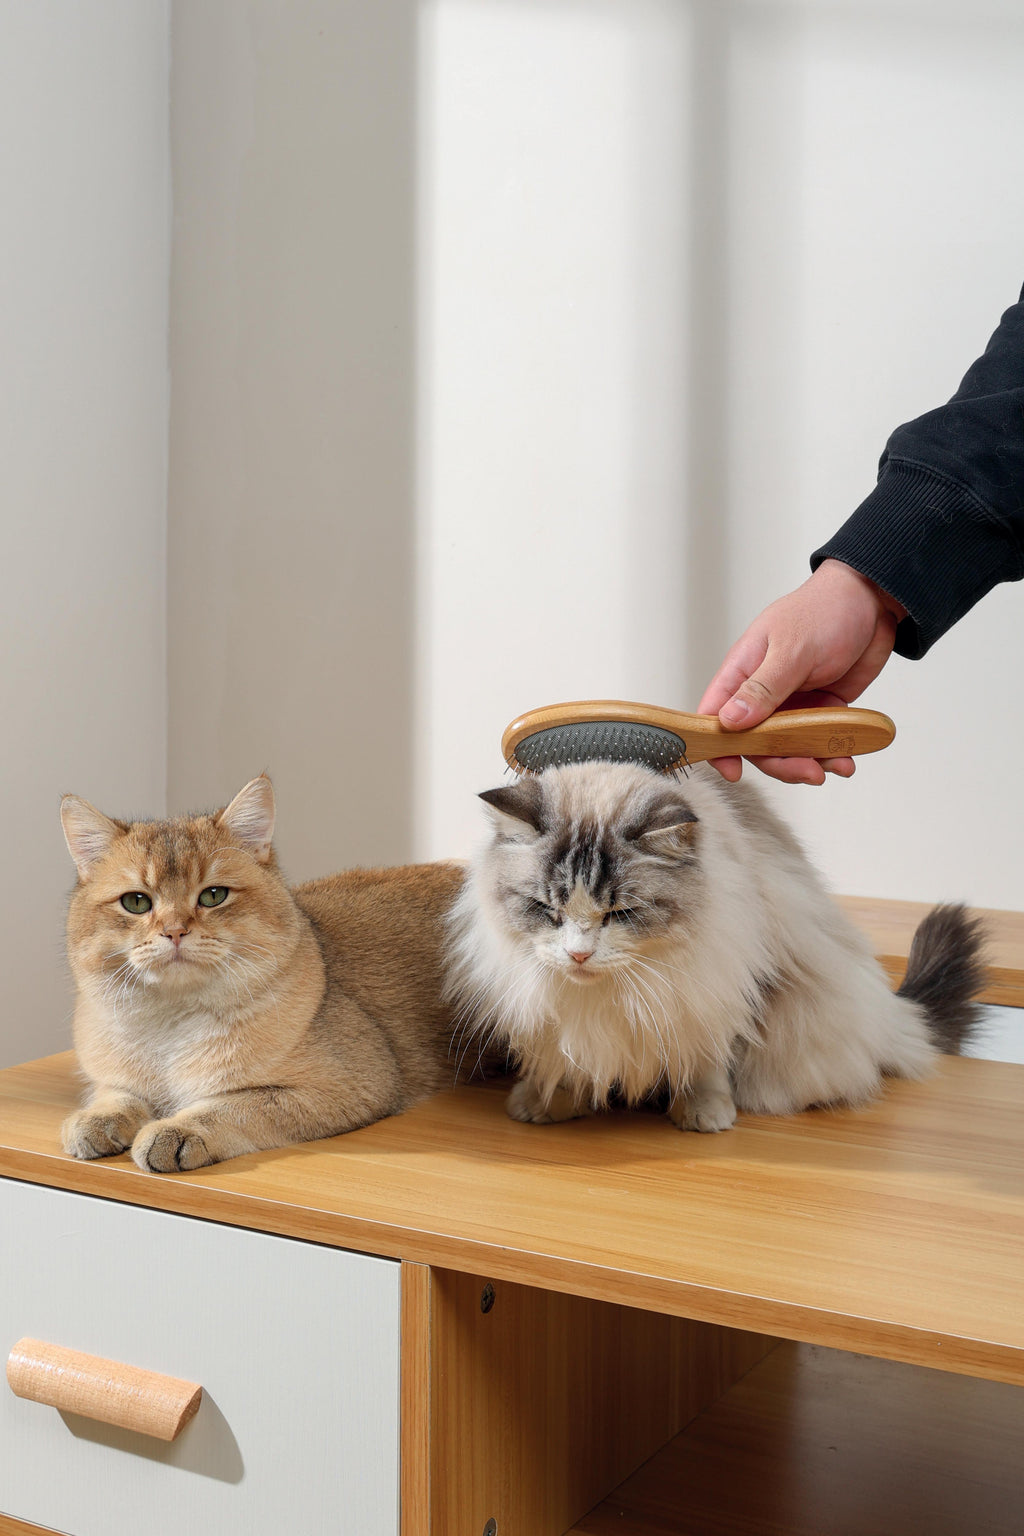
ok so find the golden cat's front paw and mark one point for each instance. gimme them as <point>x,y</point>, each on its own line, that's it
<point>169,1146</point>
<point>86,1134</point>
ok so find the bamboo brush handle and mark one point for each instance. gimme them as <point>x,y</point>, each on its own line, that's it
<point>102,1389</point>
<point>821,733</point>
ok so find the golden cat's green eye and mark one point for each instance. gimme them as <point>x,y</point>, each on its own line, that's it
<point>136,902</point>
<point>213,895</point>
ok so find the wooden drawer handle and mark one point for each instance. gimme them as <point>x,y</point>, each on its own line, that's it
<point>102,1389</point>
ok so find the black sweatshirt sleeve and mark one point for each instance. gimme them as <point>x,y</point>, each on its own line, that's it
<point>945,522</point>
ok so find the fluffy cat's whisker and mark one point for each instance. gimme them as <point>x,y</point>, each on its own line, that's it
<point>650,1015</point>
<point>485,1040</point>
<point>638,1032</point>
<point>721,1006</point>
<point>711,1043</point>
<point>469,1015</point>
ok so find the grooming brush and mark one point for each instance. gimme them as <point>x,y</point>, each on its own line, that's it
<point>609,730</point>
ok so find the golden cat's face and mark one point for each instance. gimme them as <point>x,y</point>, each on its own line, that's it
<point>191,905</point>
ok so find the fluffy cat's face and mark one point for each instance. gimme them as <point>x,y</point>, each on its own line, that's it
<point>593,864</point>
<point>184,907</point>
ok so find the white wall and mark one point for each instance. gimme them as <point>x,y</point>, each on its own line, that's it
<point>872,249</point>
<point>83,414</point>
<point>683,268</point>
<point>556,264</point>
<point>292,429</point>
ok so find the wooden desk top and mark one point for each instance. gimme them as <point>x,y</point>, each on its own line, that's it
<point>890,927</point>
<point>895,1231</point>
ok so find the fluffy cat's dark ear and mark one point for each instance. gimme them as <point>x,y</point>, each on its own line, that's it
<point>250,818</point>
<point>88,833</point>
<point>668,832</point>
<point>517,810</point>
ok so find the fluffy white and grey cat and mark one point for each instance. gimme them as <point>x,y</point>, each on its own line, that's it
<point>629,936</point>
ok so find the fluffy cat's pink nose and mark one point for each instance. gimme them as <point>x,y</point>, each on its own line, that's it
<point>581,956</point>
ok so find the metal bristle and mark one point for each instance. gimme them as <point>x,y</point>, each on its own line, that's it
<point>608,741</point>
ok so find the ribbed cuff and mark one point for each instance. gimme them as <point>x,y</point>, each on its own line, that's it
<point>929,543</point>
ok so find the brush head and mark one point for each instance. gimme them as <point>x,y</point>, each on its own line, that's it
<point>607,741</point>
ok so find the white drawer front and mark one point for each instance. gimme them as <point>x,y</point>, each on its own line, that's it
<point>296,1346</point>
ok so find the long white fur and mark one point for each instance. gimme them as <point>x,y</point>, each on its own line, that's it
<point>673,1011</point>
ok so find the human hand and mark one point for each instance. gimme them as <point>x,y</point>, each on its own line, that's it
<point>820,645</point>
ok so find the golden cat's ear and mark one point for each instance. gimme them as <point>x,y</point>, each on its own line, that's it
<point>88,833</point>
<point>250,818</point>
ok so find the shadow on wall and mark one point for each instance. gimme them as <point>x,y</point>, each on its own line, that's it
<point>292,587</point>
<point>292,538</point>
<point>290,518</point>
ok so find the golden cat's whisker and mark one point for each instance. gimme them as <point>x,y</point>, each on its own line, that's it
<point>248,946</point>
<point>236,969</point>
<point>238,985</point>
<point>128,980</point>
<point>117,979</point>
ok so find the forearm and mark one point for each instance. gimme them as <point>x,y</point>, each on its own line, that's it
<point>945,523</point>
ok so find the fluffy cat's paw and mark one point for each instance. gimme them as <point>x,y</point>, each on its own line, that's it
<point>709,1111</point>
<point>525,1103</point>
<point>166,1146</point>
<point>86,1134</point>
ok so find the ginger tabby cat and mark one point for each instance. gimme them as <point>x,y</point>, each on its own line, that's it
<point>220,1011</point>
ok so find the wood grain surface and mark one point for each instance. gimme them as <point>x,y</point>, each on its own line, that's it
<point>414,1501</point>
<point>897,1230</point>
<point>541,1403</point>
<point>111,1391</point>
<point>817,1443</point>
<point>890,927</point>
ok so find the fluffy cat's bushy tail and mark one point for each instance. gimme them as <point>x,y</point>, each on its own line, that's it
<point>945,972</point>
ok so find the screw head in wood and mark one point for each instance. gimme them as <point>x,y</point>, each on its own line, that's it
<point>491,1528</point>
<point>486,1303</point>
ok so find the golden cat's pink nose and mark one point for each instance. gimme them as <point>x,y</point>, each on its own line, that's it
<point>175,932</point>
<point>581,956</point>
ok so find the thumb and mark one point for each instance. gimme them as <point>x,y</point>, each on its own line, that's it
<point>762,693</point>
